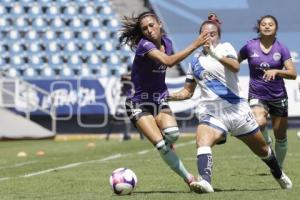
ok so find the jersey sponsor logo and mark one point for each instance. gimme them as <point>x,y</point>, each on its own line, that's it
<point>161,69</point>
<point>276,56</point>
<point>264,66</point>
<point>254,55</point>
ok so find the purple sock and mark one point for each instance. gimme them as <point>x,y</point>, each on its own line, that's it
<point>205,163</point>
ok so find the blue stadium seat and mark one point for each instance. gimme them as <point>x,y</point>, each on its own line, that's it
<point>21,24</point>
<point>29,72</point>
<point>35,10</point>
<point>66,71</point>
<point>31,35</point>
<point>94,61</point>
<point>16,48</point>
<point>95,24</point>
<point>71,11</point>
<point>76,24</point>
<point>39,24</point>
<point>5,24</point>
<point>13,72</point>
<point>55,60</point>
<point>70,48</point>
<point>57,24</point>
<point>52,11</point>
<point>35,61</point>
<point>88,48</point>
<point>74,61</point>
<point>3,11</point>
<point>47,71</point>
<point>17,61</point>
<point>17,10</point>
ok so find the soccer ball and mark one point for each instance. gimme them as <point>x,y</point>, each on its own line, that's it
<point>123,181</point>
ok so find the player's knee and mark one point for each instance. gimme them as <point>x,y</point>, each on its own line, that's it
<point>261,120</point>
<point>171,134</point>
<point>265,153</point>
<point>162,147</point>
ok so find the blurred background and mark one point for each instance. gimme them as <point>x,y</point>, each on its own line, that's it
<point>61,63</point>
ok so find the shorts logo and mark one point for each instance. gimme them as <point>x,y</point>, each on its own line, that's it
<point>136,111</point>
<point>276,56</point>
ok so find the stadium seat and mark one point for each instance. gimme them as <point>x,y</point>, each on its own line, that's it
<point>39,24</point>
<point>17,10</point>
<point>21,24</point>
<point>29,72</point>
<point>47,71</point>
<point>94,61</point>
<point>35,10</point>
<point>74,61</point>
<point>31,35</point>
<point>66,71</point>
<point>13,72</point>
<point>76,24</point>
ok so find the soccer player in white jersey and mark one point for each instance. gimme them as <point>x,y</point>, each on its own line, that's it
<point>221,108</point>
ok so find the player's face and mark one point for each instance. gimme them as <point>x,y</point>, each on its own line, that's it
<point>151,28</point>
<point>267,27</point>
<point>212,32</point>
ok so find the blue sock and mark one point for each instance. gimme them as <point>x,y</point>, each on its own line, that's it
<point>273,164</point>
<point>205,162</point>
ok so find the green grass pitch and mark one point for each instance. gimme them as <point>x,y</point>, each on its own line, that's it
<point>72,171</point>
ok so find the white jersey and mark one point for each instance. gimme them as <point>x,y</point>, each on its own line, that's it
<point>221,103</point>
<point>217,83</point>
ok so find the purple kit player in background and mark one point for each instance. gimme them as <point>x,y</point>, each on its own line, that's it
<point>146,108</point>
<point>269,63</point>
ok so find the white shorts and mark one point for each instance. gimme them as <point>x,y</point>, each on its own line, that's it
<point>237,119</point>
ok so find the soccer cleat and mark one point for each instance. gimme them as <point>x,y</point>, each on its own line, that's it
<point>190,180</point>
<point>201,186</point>
<point>285,182</point>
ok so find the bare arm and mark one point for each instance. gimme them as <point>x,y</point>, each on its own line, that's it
<point>232,64</point>
<point>289,72</point>
<point>174,59</point>
<point>185,93</point>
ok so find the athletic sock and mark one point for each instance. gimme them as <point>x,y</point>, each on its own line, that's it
<point>267,138</point>
<point>280,150</point>
<point>172,159</point>
<point>272,162</point>
<point>205,162</point>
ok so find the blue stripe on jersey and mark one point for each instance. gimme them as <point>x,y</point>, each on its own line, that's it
<point>222,91</point>
<point>197,68</point>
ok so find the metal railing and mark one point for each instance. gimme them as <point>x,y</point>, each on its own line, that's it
<point>15,92</point>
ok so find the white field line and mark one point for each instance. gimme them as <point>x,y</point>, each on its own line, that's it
<point>71,165</point>
<point>18,165</point>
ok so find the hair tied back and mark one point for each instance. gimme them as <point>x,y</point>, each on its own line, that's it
<point>213,17</point>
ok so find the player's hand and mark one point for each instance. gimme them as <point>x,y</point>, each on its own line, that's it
<point>213,53</point>
<point>202,39</point>
<point>270,75</point>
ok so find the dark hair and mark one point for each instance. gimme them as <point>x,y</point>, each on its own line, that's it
<point>256,27</point>
<point>131,32</point>
<point>212,19</point>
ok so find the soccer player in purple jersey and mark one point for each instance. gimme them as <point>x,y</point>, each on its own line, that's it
<point>146,107</point>
<point>269,63</point>
<point>221,108</point>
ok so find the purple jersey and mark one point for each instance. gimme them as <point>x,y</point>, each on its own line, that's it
<point>148,76</point>
<point>258,62</point>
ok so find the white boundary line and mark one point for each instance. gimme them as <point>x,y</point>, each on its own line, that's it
<point>18,165</point>
<point>71,165</point>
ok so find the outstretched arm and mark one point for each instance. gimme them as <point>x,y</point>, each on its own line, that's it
<point>174,59</point>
